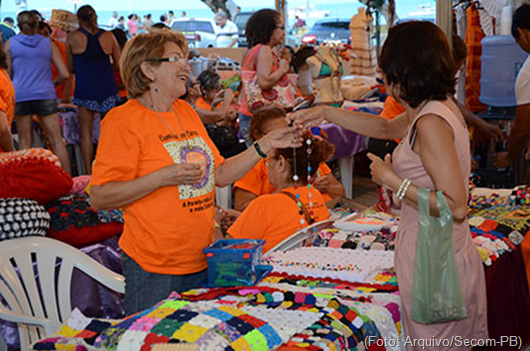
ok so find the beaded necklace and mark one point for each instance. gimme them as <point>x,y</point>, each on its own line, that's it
<point>152,107</point>
<point>296,186</point>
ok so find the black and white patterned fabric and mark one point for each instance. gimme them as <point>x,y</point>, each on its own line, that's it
<point>22,217</point>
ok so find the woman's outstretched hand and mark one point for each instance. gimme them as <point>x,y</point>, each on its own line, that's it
<point>307,118</point>
<point>281,138</point>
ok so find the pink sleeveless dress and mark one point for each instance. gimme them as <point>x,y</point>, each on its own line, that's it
<point>408,164</point>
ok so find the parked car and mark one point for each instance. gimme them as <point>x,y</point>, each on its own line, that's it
<point>200,32</point>
<point>241,20</point>
<point>329,30</point>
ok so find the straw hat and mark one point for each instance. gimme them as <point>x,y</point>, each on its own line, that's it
<point>65,20</point>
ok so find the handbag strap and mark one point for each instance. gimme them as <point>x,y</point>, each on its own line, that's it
<point>307,216</point>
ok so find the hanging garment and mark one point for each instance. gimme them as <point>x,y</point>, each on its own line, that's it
<point>474,35</point>
<point>362,46</point>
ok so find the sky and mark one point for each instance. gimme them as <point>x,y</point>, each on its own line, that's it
<point>177,5</point>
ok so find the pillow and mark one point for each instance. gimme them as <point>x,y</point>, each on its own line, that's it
<point>22,217</point>
<point>81,183</point>
<point>33,174</point>
<point>75,222</point>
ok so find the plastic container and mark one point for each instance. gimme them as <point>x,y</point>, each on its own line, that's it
<point>502,58</point>
<point>235,262</point>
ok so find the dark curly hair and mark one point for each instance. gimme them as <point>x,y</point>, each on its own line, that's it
<point>260,27</point>
<point>321,151</point>
<point>417,59</point>
<point>521,19</point>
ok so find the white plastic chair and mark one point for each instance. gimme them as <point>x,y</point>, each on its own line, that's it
<point>303,237</point>
<point>36,290</point>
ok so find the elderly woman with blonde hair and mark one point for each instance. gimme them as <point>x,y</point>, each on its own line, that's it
<point>155,160</point>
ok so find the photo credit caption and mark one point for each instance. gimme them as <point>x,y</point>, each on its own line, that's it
<point>454,341</point>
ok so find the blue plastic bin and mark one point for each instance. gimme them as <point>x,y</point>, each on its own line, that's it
<point>228,266</point>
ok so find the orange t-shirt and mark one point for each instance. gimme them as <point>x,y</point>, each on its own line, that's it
<point>7,98</point>
<point>59,89</point>
<point>203,104</point>
<point>392,108</point>
<point>257,180</point>
<point>166,231</point>
<point>275,217</point>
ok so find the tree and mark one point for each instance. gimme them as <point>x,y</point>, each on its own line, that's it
<point>217,5</point>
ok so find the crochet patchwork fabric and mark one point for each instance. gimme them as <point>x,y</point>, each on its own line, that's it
<point>75,222</point>
<point>498,229</point>
<point>226,319</point>
<point>383,239</point>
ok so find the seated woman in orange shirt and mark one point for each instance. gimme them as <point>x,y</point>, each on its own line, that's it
<point>277,216</point>
<point>213,106</point>
<point>256,181</point>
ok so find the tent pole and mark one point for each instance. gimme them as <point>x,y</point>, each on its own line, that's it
<point>444,18</point>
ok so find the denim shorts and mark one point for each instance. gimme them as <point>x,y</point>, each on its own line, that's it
<point>144,289</point>
<point>36,107</point>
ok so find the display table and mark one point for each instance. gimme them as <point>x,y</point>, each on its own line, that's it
<point>341,277</point>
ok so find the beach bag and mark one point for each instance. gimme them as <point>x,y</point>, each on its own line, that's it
<point>282,94</point>
<point>436,292</point>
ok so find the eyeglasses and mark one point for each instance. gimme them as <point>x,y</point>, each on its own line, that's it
<point>281,27</point>
<point>178,59</point>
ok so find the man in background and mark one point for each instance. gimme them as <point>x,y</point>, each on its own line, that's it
<point>113,22</point>
<point>148,22</point>
<point>6,29</point>
<point>520,134</point>
<point>183,14</point>
<point>10,22</point>
<point>171,18</point>
<point>227,33</point>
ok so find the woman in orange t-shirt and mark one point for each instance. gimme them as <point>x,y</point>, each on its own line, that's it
<point>256,182</point>
<point>276,217</point>
<point>7,105</point>
<point>214,104</point>
<point>156,160</point>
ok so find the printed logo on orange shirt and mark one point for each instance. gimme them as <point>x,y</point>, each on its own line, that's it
<point>194,150</point>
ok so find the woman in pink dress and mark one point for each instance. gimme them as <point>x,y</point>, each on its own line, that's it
<point>418,68</point>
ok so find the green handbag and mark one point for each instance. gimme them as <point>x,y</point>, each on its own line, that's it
<point>437,293</point>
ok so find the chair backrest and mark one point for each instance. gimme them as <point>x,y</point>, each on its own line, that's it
<point>35,278</point>
<point>303,237</point>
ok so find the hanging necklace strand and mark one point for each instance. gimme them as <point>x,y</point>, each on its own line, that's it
<point>166,124</point>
